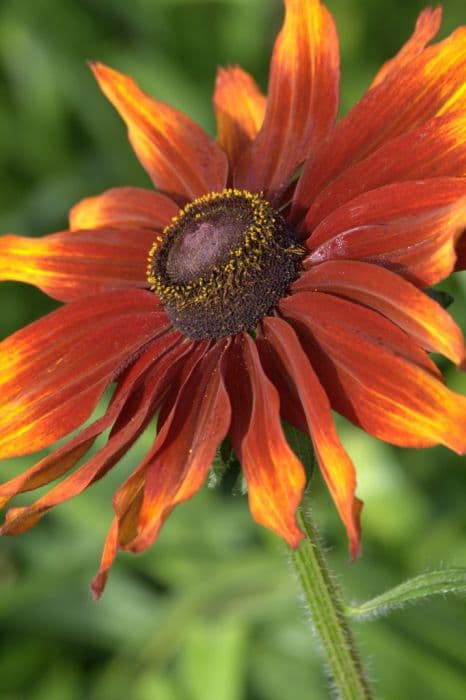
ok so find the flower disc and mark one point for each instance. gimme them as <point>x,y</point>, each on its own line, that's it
<point>223,263</point>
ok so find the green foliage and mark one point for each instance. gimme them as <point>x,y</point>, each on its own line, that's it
<point>210,611</point>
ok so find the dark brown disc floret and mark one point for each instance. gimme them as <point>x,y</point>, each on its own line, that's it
<point>223,264</point>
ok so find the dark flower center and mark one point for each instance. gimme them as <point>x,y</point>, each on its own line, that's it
<point>223,263</point>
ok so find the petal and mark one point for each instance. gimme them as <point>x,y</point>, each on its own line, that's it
<point>181,159</point>
<point>435,149</point>
<point>108,556</point>
<point>432,84</point>
<point>161,351</point>
<point>337,468</point>
<point>373,376</point>
<point>138,411</point>
<point>131,207</point>
<point>274,475</point>
<point>128,499</point>
<point>53,372</point>
<point>239,108</point>
<point>461,253</point>
<point>186,445</point>
<point>302,101</point>
<point>420,316</point>
<point>427,27</point>
<point>70,265</point>
<point>411,228</point>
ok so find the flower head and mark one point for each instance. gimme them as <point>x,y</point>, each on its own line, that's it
<point>276,273</point>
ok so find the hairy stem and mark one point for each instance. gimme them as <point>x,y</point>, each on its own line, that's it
<point>326,608</point>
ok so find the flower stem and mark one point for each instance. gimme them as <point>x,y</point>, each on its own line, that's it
<point>326,608</point>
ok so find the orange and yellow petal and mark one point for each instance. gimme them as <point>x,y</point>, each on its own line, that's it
<point>132,420</point>
<point>410,228</point>
<point>274,475</point>
<point>434,149</point>
<point>302,101</point>
<point>389,294</point>
<point>163,352</point>
<point>128,499</point>
<point>185,446</point>
<point>375,375</point>
<point>181,159</point>
<point>336,466</point>
<point>71,265</point>
<point>54,371</point>
<point>427,27</point>
<point>239,108</point>
<point>431,84</point>
<point>131,207</point>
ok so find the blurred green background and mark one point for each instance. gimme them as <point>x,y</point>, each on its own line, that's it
<point>211,611</point>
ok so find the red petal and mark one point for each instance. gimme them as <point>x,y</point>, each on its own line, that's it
<point>336,466</point>
<point>432,84</point>
<point>160,351</point>
<point>427,27</point>
<point>185,446</point>
<point>374,374</point>
<point>461,253</point>
<point>131,422</point>
<point>68,266</point>
<point>128,499</point>
<point>409,227</point>
<point>435,149</point>
<point>239,108</point>
<point>178,155</point>
<point>274,475</point>
<point>302,101</point>
<point>422,318</point>
<point>131,207</point>
<point>53,372</point>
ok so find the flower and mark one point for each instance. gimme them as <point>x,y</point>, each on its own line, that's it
<point>277,273</point>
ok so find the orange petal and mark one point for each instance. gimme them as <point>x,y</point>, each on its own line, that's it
<point>128,499</point>
<point>413,311</point>
<point>302,101</point>
<point>160,351</point>
<point>132,421</point>
<point>178,155</point>
<point>53,372</point>
<point>374,375</point>
<point>427,27</point>
<point>432,84</point>
<point>239,108</point>
<point>410,228</point>
<point>435,149</point>
<point>335,465</point>
<point>131,207</point>
<point>186,445</point>
<point>108,556</point>
<point>274,475</point>
<point>68,266</point>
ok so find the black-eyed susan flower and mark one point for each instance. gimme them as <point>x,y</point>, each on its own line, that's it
<point>276,273</point>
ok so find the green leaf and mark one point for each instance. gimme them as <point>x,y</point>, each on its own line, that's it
<point>414,590</point>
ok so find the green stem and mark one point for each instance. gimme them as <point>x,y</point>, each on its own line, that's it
<point>327,612</point>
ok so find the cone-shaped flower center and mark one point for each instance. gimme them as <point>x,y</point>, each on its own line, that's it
<point>223,263</point>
